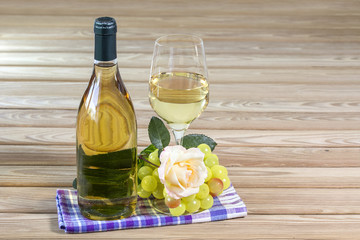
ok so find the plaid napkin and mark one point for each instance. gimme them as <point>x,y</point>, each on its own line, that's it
<point>227,205</point>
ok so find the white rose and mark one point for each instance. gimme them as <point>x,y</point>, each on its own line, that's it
<point>182,171</point>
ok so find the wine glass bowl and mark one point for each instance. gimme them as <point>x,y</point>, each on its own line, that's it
<point>178,86</point>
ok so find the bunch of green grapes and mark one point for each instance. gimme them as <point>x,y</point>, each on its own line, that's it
<point>149,177</point>
<point>217,180</point>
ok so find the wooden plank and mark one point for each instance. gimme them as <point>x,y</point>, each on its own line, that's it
<point>37,155</point>
<point>225,120</point>
<point>295,177</point>
<point>288,157</point>
<point>256,20</point>
<point>200,8</point>
<point>257,46</point>
<point>237,97</point>
<point>141,104</point>
<point>285,138</point>
<point>46,136</point>
<point>273,201</point>
<point>236,92</point>
<point>241,177</point>
<point>56,155</point>
<point>28,199</point>
<point>300,201</point>
<point>143,60</point>
<point>235,138</point>
<point>330,227</point>
<point>253,75</point>
<point>38,118</point>
<point>294,35</point>
<point>68,74</point>
<point>45,176</point>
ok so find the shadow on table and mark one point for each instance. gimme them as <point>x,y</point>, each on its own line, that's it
<point>54,225</point>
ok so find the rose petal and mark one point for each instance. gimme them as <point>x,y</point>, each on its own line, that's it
<point>181,174</point>
<point>192,153</point>
<point>171,178</point>
<point>187,192</point>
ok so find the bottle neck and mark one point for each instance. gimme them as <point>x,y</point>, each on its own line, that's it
<point>105,72</point>
<point>105,48</point>
<point>105,64</point>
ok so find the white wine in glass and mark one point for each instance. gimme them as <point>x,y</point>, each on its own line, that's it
<point>178,87</point>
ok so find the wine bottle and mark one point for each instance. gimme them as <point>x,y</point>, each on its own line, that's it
<point>106,136</point>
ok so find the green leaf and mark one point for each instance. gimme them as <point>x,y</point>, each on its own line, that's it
<point>158,133</point>
<point>194,140</point>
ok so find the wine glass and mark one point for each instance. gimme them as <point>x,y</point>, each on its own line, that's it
<point>178,87</point>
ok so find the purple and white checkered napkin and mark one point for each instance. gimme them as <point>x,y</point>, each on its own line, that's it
<point>227,205</point>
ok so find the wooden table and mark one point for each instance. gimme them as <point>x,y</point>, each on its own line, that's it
<point>284,108</point>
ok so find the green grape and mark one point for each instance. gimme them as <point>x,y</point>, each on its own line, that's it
<point>193,205</point>
<point>205,149</point>
<point>188,198</point>
<point>219,171</point>
<point>207,202</point>
<point>158,193</point>
<point>164,192</point>
<point>179,210</point>
<point>216,186</point>
<point>209,174</point>
<point>211,160</point>
<point>154,157</point>
<point>226,182</point>
<point>144,171</point>
<point>149,183</point>
<point>203,191</point>
<point>142,193</point>
<point>155,174</point>
<point>172,202</point>
<point>149,165</point>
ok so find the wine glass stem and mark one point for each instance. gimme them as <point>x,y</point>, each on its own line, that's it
<point>178,134</point>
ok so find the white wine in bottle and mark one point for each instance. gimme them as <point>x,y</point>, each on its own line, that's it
<point>106,136</point>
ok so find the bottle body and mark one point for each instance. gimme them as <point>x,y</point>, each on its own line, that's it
<point>106,144</point>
